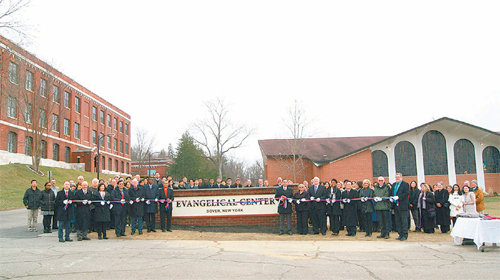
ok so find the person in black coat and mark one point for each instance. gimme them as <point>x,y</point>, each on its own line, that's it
<point>442,208</point>
<point>102,214</point>
<point>31,201</point>
<point>366,206</point>
<point>136,193</point>
<point>302,209</point>
<point>414,194</point>
<point>64,212</point>
<point>285,194</point>
<point>317,208</point>
<point>333,207</point>
<point>401,192</point>
<point>350,213</point>
<point>120,208</point>
<point>151,193</point>
<point>83,211</point>
<point>166,193</point>
<point>427,209</point>
<point>47,203</point>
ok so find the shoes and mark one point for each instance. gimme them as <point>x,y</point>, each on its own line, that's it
<point>68,240</point>
<point>323,233</point>
<point>386,237</point>
<point>380,236</point>
<point>315,232</point>
<point>335,233</point>
<point>86,238</point>
<point>399,237</point>
<point>403,238</point>
<point>281,233</point>
<point>368,235</point>
<point>153,230</point>
<point>118,235</point>
<point>104,237</point>
<point>79,239</point>
<point>140,232</point>
<point>54,227</point>
<point>169,230</point>
<point>290,233</point>
<point>132,233</point>
<point>45,230</point>
<point>163,230</point>
<point>100,237</point>
<point>61,240</point>
<point>123,234</point>
<point>149,230</point>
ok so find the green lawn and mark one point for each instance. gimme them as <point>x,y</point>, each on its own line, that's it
<point>492,205</point>
<point>16,178</point>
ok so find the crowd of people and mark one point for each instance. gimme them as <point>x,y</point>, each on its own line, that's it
<point>351,205</point>
<point>378,206</point>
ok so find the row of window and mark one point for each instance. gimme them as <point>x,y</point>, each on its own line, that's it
<point>28,150</point>
<point>13,77</point>
<point>435,157</point>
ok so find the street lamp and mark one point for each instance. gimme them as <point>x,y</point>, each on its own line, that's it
<point>99,154</point>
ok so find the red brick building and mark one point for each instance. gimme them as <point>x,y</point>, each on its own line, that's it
<point>78,118</point>
<point>444,150</point>
<point>156,165</point>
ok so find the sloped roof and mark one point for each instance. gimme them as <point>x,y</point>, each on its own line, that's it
<point>318,150</point>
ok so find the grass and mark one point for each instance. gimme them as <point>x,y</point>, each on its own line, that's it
<point>16,178</point>
<point>492,205</point>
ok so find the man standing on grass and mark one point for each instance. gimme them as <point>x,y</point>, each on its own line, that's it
<point>31,201</point>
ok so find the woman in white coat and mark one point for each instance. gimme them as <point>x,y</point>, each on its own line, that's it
<point>456,203</point>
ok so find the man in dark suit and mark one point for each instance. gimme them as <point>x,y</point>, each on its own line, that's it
<point>400,193</point>
<point>249,184</point>
<point>150,192</point>
<point>317,208</point>
<point>64,212</point>
<point>285,206</point>
<point>83,211</point>
<point>136,194</point>
<point>333,207</point>
<point>120,212</point>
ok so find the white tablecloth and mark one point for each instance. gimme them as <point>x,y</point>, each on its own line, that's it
<point>481,231</point>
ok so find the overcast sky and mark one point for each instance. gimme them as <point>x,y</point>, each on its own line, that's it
<point>357,67</point>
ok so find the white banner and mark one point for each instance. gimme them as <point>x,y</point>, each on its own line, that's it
<point>252,204</point>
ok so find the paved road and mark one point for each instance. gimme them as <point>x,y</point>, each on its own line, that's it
<point>29,255</point>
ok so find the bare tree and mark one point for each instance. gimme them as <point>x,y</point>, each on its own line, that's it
<point>254,171</point>
<point>10,22</point>
<point>217,135</point>
<point>143,146</point>
<point>296,123</point>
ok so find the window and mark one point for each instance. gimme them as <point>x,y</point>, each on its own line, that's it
<point>121,146</point>
<point>114,123</point>
<point>434,151</point>
<point>122,168</point>
<point>55,152</point>
<point>109,142</point>
<point>66,127</point>
<point>94,113</point>
<point>12,107</point>
<point>67,154</point>
<point>465,160</point>
<point>43,149</point>
<point>121,126</point>
<point>42,120</point>
<point>12,144</point>
<point>55,94</point>
<point>94,137</point>
<point>101,116</point>
<point>77,130</point>
<point>29,81</point>
<point>27,112</point>
<point>103,162</point>
<point>77,104</point>
<point>116,165</point>
<point>126,148</point>
<point>115,145</point>
<point>66,99</point>
<point>491,160</point>
<point>109,120</point>
<point>379,163</point>
<point>404,153</point>
<point>101,140</point>
<point>110,164</point>
<point>43,87</point>
<point>55,123</point>
<point>126,128</point>
<point>28,146</point>
<point>128,169</point>
<point>13,72</point>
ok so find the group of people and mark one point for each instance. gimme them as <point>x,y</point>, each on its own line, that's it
<point>378,206</point>
<point>81,208</point>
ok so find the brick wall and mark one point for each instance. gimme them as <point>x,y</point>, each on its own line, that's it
<point>492,182</point>
<point>356,167</point>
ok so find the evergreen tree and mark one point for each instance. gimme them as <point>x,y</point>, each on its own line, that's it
<point>190,161</point>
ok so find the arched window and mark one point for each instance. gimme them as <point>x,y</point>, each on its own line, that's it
<point>28,146</point>
<point>67,154</point>
<point>465,160</point>
<point>491,160</point>
<point>379,163</point>
<point>434,150</point>
<point>12,142</point>
<point>55,152</point>
<point>43,149</point>
<point>404,153</point>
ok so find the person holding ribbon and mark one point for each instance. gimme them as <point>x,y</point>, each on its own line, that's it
<point>382,206</point>
<point>317,208</point>
<point>64,212</point>
<point>333,207</point>
<point>151,193</point>
<point>366,206</point>
<point>102,214</point>
<point>349,215</point>
<point>285,196</point>
<point>302,209</point>
<point>166,196</point>
<point>121,199</point>
<point>84,197</point>
<point>136,194</point>
<point>400,199</point>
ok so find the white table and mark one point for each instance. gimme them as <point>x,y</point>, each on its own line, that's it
<point>481,231</point>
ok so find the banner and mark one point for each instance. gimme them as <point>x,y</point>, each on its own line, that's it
<point>212,206</point>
